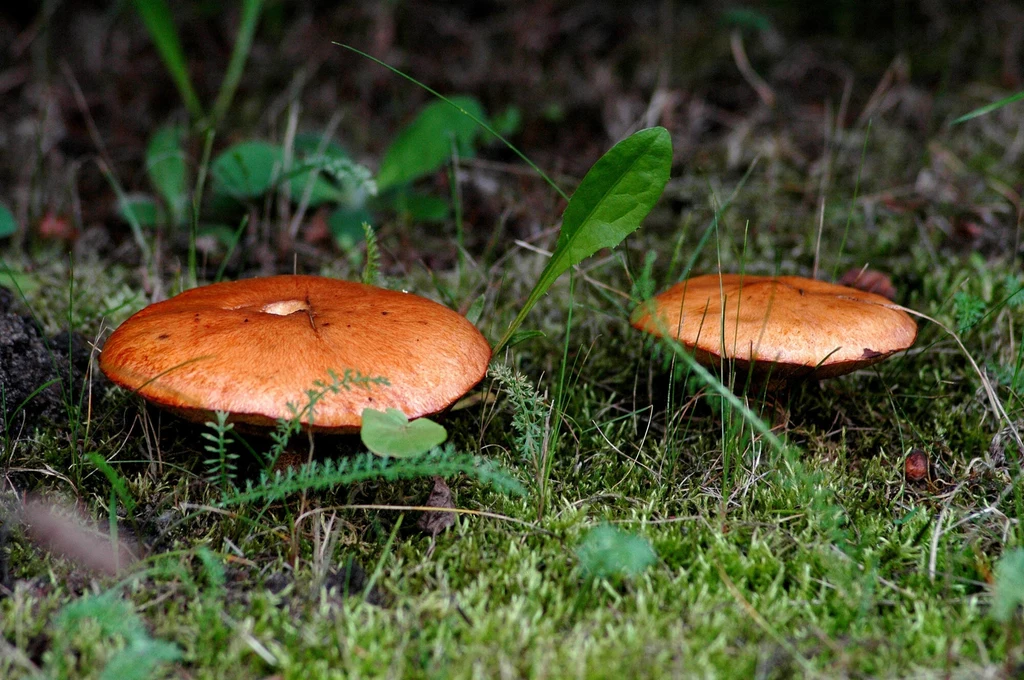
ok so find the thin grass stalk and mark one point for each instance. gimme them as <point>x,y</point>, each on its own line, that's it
<point>156,15</point>
<point>251,10</point>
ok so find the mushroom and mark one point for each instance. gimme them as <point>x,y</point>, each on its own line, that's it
<point>778,329</point>
<point>253,347</point>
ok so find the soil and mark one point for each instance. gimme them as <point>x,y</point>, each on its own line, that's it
<point>41,378</point>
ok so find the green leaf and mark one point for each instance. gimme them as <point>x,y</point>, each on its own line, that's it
<point>168,169</point>
<point>390,433</point>
<point>308,145</point>
<point>607,552</point>
<point>476,309</point>
<point>416,206</point>
<point>156,15</point>
<point>142,208</point>
<point>116,481</point>
<point>1009,585</point>
<point>247,169</point>
<point>346,225</point>
<point>508,122</point>
<point>426,143</point>
<point>523,336</point>
<point>610,203</point>
<point>8,225</point>
<point>989,108</point>
<point>743,17</point>
<point>323,190</point>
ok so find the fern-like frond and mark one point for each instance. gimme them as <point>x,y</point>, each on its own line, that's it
<point>315,476</point>
<point>371,267</point>
<point>529,411</point>
<point>220,464</point>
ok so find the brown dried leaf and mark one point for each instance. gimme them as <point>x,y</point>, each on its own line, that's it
<point>434,523</point>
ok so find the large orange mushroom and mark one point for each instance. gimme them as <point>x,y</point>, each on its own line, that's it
<point>253,347</point>
<point>778,329</point>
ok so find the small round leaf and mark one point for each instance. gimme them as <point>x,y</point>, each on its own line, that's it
<point>389,433</point>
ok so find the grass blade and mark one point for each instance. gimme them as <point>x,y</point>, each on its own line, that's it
<point>156,15</point>
<point>239,55</point>
<point>989,108</point>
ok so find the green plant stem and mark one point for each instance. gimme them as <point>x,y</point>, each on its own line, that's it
<point>133,222</point>
<point>251,10</point>
<point>156,15</point>
<point>197,198</point>
<point>853,201</point>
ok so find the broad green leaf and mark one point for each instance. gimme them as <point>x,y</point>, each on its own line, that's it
<point>156,15</point>
<point>168,170</point>
<point>390,433</point>
<point>142,208</point>
<point>610,203</point>
<point>607,552</point>
<point>479,120</point>
<point>8,225</point>
<point>1009,585</point>
<point>426,143</point>
<point>247,169</point>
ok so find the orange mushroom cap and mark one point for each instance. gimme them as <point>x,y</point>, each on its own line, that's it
<point>251,347</point>
<point>782,327</point>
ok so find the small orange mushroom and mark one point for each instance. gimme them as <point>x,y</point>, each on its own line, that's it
<point>778,329</point>
<point>253,347</point>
